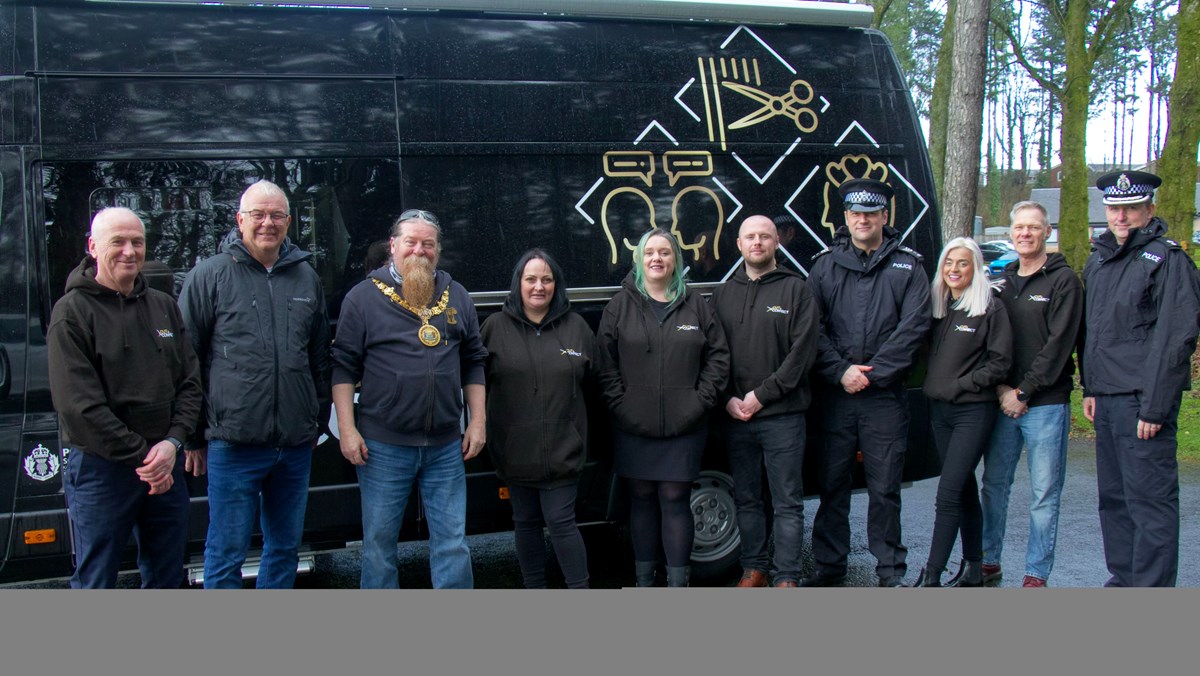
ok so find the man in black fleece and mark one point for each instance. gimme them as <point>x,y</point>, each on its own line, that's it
<point>1142,309</point>
<point>1045,307</point>
<point>126,384</point>
<point>771,322</point>
<point>873,296</point>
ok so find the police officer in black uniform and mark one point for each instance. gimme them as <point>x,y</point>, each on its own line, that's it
<point>873,297</point>
<point>1142,314</point>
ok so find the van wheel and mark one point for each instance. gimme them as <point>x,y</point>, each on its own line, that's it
<point>717,545</point>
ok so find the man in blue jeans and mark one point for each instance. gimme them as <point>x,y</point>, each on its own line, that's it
<point>409,334</point>
<point>771,320</point>
<point>256,314</point>
<point>1044,299</point>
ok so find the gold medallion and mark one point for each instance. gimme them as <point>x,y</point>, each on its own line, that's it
<point>429,335</point>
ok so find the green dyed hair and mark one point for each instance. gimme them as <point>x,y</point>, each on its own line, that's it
<point>677,285</point>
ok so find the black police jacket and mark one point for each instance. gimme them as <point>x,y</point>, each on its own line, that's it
<point>1142,315</point>
<point>876,313</point>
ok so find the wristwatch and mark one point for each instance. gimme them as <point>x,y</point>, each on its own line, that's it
<point>1022,396</point>
<point>178,443</point>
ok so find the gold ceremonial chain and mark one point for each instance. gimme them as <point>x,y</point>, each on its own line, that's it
<point>427,334</point>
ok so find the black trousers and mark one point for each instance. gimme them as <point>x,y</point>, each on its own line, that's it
<point>874,421</point>
<point>1138,481</point>
<point>962,433</point>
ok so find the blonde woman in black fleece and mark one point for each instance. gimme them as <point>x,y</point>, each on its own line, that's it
<point>663,364</point>
<point>539,353</point>
<point>970,354</point>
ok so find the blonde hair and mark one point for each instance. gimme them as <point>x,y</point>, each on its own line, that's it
<point>976,297</point>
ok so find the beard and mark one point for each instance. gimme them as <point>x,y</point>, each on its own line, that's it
<point>417,275</point>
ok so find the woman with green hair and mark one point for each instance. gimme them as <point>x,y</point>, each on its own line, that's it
<point>663,362</point>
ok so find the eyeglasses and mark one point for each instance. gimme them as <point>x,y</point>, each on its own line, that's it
<point>260,216</point>
<point>418,214</point>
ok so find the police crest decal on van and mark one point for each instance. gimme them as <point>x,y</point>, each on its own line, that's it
<point>42,464</point>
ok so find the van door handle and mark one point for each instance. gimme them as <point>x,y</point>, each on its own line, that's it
<point>5,371</point>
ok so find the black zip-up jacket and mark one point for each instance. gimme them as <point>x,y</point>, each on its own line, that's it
<point>263,342</point>
<point>771,324</point>
<point>875,313</point>
<point>660,379</point>
<point>1142,315</point>
<point>123,375</point>
<point>969,356</point>
<point>536,411</point>
<point>1045,316</point>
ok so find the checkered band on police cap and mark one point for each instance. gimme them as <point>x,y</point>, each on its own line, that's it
<point>1127,187</point>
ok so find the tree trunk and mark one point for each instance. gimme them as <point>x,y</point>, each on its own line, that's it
<point>1073,197</point>
<point>964,131</point>
<point>939,103</point>
<point>1177,205</point>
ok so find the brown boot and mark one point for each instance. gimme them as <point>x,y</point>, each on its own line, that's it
<point>752,578</point>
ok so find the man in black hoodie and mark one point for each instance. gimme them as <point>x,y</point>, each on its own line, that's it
<point>770,319</point>
<point>873,296</point>
<point>126,385</point>
<point>1142,312</point>
<point>1045,306</point>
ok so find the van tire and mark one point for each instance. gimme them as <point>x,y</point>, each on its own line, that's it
<point>717,545</point>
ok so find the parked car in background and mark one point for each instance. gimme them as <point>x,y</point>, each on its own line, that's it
<point>996,265</point>
<point>994,249</point>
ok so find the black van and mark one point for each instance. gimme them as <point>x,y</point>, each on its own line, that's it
<point>570,125</point>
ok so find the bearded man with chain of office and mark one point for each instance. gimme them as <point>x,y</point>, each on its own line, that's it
<point>410,335</point>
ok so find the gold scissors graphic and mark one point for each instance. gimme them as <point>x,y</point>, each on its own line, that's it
<point>789,105</point>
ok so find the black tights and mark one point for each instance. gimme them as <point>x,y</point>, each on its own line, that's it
<point>660,516</point>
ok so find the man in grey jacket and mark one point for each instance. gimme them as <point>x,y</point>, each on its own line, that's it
<point>256,315</point>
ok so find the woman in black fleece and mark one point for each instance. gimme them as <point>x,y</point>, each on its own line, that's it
<point>971,353</point>
<point>663,363</point>
<point>539,353</point>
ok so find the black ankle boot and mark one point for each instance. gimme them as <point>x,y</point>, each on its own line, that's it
<point>970,574</point>
<point>929,578</point>
<point>678,576</point>
<point>644,572</point>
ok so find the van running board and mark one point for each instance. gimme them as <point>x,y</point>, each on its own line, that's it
<point>195,571</point>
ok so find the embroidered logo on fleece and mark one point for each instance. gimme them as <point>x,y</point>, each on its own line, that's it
<point>570,352</point>
<point>778,310</point>
<point>687,327</point>
<point>300,299</point>
<point>1038,298</point>
<point>964,328</point>
<point>165,333</point>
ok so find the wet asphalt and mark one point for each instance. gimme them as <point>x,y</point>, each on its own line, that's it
<point>1079,558</point>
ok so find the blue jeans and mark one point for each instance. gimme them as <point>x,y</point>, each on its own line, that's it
<point>1043,430</point>
<point>106,502</point>
<point>776,444</point>
<point>242,481</point>
<point>385,482</point>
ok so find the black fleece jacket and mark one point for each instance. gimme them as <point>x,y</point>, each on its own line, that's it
<point>1045,313</point>
<point>772,325</point>
<point>969,356</point>
<point>536,411</point>
<point>123,375</point>
<point>660,379</point>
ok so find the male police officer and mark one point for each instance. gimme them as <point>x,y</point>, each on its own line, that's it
<point>771,320</point>
<point>1142,317</point>
<point>1045,305</point>
<point>873,298</point>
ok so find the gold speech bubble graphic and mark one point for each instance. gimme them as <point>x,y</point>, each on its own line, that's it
<point>630,164</point>
<point>678,163</point>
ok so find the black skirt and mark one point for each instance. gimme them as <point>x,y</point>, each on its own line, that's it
<point>666,459</point>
